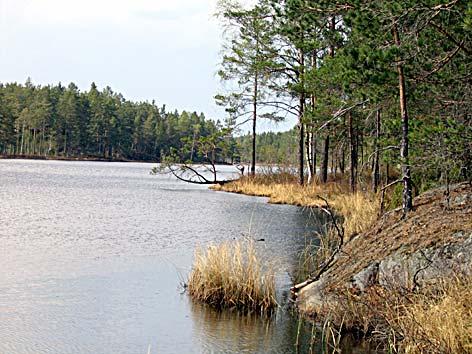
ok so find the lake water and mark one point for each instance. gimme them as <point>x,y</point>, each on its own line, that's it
<point>92,256</point>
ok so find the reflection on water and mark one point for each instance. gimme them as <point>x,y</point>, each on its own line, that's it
<point>91,256</point>
<point>229,331</point>
<point>232,332</point>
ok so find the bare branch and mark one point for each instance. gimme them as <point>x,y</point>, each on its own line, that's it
<point>330,261</point>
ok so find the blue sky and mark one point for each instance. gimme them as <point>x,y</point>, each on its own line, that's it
<point>145,49</point>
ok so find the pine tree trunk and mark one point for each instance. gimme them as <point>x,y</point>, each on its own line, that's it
<point>312,142</point>
<point>406,171</point>
<point>301,145</point>
<point>34,142</point>
<point>308,137</point>
<point>342,161</point>
<point>22,137</point>
<point>352,155</point>
<point>332,160</point>
<point>376,168</point>
<point>325,161</point>
<point>65,143</point>
<point>254,118</point>
<point>313,152</point>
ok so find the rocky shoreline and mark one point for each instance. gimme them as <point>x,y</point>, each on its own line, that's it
<point>433,242</point>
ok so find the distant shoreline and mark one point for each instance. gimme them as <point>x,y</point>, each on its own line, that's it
<point>69,158</point>
<point>80,158</point>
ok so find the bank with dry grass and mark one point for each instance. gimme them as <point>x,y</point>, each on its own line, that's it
<point>404,282</point>
<point>433,319</point>
<point>231,274</point>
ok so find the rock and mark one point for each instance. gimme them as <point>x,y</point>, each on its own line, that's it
<point>365,278</point>
<point>408,253</point>
<point>461,200</point>
<point>313,298</point>
<point>424,265</point>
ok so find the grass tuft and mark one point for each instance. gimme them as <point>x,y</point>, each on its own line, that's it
<point>231,275</point>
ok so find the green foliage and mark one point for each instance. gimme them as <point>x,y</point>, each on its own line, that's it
<point>332,60</point>
<point>62,121</point>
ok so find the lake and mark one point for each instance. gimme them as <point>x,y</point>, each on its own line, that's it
<point>93,255</point>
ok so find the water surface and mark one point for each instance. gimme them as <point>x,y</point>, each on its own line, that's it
<point>93,254</point>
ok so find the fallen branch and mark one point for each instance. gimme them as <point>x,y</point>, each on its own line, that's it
<point>331,260</point>
<point>190,174</point>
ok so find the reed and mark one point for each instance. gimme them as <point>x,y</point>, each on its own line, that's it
<point>231,274</point>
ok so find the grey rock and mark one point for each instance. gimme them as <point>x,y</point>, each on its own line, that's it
<point>409,270</point>
<point>366,278</point>
<point>461,200</point>
<point>312,297</point>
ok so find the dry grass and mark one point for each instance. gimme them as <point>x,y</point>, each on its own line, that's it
<point>360,211</point>
<point>283,189</point>
<point>437,319</point>
<point>231,275</point>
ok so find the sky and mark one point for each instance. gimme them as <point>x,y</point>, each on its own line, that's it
<point>162,50</point>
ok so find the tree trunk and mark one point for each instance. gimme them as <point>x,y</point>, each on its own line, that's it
<point>342,160</point>
<point>406,171</point>
<point>312,156</point>
<point>376,168</point>
<point>308,145</point>
<point>254,118</point>
<point>352,155</point>
<point>325,161</point>
<point>65,143</point>
<point>313,152</point>
<point>301,146</point>
<point>22,137</point>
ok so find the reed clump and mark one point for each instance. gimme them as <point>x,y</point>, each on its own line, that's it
<point>231,274</point>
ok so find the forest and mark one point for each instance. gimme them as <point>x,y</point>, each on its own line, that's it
<point>59,121</point>
<point>380,89</point>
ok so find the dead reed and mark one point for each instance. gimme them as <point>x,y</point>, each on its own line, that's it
<point>231,274</point>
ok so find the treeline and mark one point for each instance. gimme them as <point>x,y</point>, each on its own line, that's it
<point>377,86</point>
<point>65,122</point>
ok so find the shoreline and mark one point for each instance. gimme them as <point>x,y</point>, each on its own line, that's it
<point>69,158</point>
<point>388,268</point>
